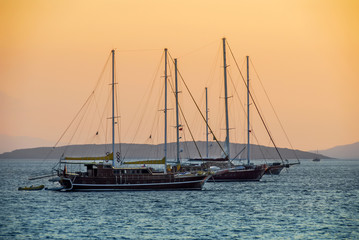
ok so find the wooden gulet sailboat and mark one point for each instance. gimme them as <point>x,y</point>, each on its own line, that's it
<point>104,176</point>
<point>232,173</point>
<point>245,172</point>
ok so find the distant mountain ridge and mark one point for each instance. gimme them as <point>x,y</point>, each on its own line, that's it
<point>349,151</point>
<point>8,143</point>
<point>147,151</point>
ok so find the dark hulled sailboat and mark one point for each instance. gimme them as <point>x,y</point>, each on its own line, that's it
<point>99,176</point>
<point>276,167</point>
<point>233,173</point>
<point>105,177</point>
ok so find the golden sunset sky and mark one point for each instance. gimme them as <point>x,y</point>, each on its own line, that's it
<point>306,53</point>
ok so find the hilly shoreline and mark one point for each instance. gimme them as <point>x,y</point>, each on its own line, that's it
<point>146,151</point>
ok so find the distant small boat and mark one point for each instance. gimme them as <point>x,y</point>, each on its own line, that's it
<point>31,188</point>
<point>316,159</point>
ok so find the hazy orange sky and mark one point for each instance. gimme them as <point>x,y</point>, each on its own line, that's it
<point>306,53</point>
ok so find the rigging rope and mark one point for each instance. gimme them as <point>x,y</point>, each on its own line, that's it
<point>270,102</point>
<point>137,50</point>
<point>260,115</point>
<point>184,118</point>
<point>77,127</point>
<point>73,119</point>
<point>241,104</point>
<point>198,49</point>
<point>215,138</point>
<point>148,95</point>
<point>92,93</point>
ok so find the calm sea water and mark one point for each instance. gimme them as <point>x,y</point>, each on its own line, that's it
<point>314,200</point>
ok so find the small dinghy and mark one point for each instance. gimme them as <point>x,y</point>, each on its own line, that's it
<point>31,188</point>
<point>54,189</point>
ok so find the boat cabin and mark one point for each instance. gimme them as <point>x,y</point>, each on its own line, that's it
<point>106,170</point>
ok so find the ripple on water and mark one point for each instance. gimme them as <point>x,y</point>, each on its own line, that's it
<point>310,201</point>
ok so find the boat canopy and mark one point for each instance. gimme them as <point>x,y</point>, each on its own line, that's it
<point>107,157</point>
<point>162,161</point>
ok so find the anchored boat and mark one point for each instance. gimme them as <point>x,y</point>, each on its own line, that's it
<point>101,174</point>
<point>106,177</point>
<point>233,173</point>
<point>32,188</point>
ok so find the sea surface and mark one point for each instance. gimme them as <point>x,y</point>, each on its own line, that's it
<point>313,200</point>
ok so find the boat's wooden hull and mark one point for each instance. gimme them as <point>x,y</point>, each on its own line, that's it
<point>113,184</point>
<point>240,175</point>
<point>274,170</point>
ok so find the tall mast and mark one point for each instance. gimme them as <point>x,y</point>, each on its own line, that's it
<point>206,124</point>
<point>113,107</point>
<point>248,124</point>
<point>226,98</point>
<point>177,121</point>
<point>165,143</point>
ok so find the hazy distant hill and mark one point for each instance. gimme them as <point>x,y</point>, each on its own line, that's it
<point>146,151</point>
<point>350,151</point>
<point>8,143</point>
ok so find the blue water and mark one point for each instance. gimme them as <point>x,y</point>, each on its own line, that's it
<point>314,200</point>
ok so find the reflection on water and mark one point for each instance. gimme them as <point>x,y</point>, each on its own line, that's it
<point>309,201</point>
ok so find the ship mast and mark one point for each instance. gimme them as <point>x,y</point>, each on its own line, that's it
<point>206,124</point>
<point>177,121</point>
<point>248,123</point>
<point>165,143</point>
<point>226,98</point>
<point>113,107</point>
